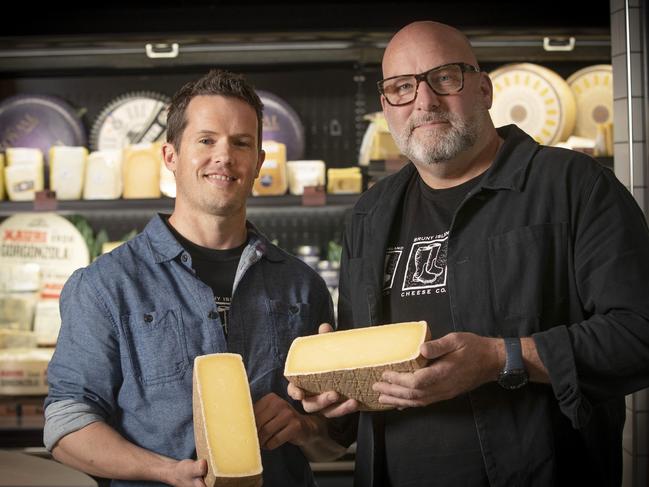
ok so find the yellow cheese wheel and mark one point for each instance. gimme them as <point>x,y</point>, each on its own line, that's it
<point>593,91</point>
<point>350,361</point>
<point>536,99</point>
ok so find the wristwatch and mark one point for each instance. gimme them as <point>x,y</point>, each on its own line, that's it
<point>514,375</point>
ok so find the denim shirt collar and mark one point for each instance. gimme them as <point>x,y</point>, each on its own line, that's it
<point>163,246</point>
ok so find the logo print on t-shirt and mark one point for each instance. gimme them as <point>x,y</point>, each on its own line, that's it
<point>426,267</point>
<point>389,269</point>
<point>223,307</point>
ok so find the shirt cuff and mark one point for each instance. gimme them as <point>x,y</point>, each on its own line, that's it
<point>554,347</point>
<point>65,417</point>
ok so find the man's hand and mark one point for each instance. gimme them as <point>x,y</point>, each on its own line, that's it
<point>278,423</point>
<point>188,473</point>
<point>460,362</point>
<point>328,404</point>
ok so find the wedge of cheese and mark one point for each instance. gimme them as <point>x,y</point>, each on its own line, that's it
<point>224,422</point>
<point>350,361</point>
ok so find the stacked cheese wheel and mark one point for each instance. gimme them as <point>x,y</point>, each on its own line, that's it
<point>593,91</point>
<point>536,99</point>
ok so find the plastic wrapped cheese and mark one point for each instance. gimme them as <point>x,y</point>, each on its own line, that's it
<point>67,171</point>
<point>272,175</point>
<point>24,173</point>
<point>141,171</point>
<point>103,179</point>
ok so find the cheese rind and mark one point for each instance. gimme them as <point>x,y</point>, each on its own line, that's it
<point>350,361</point>
<point>224,422</point>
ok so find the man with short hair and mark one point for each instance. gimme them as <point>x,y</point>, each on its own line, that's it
<point>200,281</point>
<point>530,265</point>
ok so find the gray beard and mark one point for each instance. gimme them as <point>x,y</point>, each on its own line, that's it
<point>440,145</point>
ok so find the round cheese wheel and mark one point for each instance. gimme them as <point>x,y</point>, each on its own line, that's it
<point>45,239</point>
<point>282,124</point>
<point>536,99</point>
<point>593,90</point>
<point>39,121</point>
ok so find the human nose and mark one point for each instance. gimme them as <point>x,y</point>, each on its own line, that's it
<point>426,97</point>
<point>222,152</point>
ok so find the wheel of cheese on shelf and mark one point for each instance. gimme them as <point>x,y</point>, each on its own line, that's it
<point>40,122</point>
<point>593,90</point>
<point>132,118</point>
<point>45,239</point>
<point>282,124</point>
<point>536,99</point>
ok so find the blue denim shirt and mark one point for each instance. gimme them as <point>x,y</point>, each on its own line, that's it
<point>135,319</point>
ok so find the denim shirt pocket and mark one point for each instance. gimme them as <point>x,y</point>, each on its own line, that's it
<point>156,345</point>
<point>289,320</point>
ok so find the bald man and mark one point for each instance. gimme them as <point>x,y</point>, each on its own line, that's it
<point>530,265</point>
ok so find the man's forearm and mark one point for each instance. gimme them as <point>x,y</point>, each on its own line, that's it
<point>99,450</point>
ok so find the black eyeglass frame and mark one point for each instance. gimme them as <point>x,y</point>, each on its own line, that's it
<point>464,68</point>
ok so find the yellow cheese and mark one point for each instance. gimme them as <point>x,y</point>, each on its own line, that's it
<point>141,171</point>
<point>347,180</point>
<point>350,361</point>
<point>224,421</point>
<point>24,173</point>
<point>272,175</point>
<point>67,171</point>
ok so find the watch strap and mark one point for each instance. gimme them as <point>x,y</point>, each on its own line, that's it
<point>513,354</point>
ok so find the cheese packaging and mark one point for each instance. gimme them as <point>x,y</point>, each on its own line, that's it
<point>24,173</point>
<point>23,371</point>
<point>272,175</point>
<point>305,173</point>
<point>141,171</point>
<point>47,321</point>
<point>350,361</point>
<point>67,171</point>
<point>224,421</point>
<point>103,179</point>
<point>347,180</point>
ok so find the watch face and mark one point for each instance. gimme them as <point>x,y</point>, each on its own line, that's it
<point>132,118</point>
<point>513,379</point>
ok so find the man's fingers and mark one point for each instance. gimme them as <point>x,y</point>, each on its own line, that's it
<point>315,404</point>
<point>325,328</point>
<point>295,392</point>
<point>346,407</point>
<point>399,391</point>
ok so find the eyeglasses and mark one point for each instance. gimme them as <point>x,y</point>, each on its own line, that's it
<point>443,80</point>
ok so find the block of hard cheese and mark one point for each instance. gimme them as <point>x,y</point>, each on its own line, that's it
<point>350,361</point>
<point>224,422</point>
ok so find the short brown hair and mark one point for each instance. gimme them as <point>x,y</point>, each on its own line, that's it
<point>216,82</point>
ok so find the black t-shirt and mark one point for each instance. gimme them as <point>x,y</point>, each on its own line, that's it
<point>217,269</point>
<point>438,444</point>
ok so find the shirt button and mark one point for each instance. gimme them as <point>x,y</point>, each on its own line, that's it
<point>293,309</point>
<point>148,318</point>
<point>212,315</point>
<point>184,257</point>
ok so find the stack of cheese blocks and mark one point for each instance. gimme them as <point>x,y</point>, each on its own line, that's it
<point>350,361</point>
<point>24,173</point>
<point>224,422</point>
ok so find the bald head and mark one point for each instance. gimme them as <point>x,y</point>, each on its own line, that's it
<point>423,45</point>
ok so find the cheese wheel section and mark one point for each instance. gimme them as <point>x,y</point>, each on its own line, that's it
<point>350,361</point>
<point>536,99</point>
<point>224,421</point>
<point>593,91</point>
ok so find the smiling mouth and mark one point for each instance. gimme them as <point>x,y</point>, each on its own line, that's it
<point>220,177</point>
